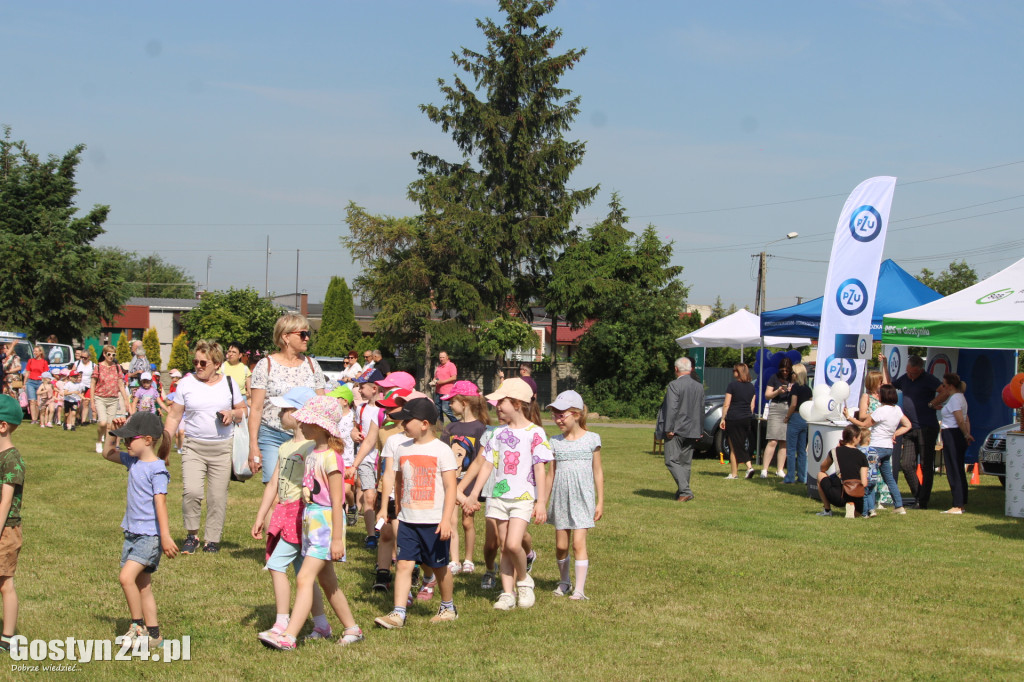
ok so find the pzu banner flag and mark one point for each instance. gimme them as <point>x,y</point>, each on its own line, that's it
<point>853,278</point>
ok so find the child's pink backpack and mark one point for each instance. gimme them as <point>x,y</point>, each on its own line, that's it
<point>23,398</point>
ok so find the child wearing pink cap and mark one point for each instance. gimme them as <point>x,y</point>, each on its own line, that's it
<point>463,437</point>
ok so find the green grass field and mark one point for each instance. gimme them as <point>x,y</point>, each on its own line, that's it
<point>744,582</point>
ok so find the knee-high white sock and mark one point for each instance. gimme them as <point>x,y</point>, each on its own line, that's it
<point>581,575</point>
<point>563,570</point>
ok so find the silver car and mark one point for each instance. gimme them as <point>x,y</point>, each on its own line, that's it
<point>992,453</point>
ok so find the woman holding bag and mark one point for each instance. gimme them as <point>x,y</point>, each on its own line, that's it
<point>208,404</point>
<point>274,376</point>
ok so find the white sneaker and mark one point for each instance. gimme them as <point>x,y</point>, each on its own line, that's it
<point>99,448</point>
<point>525,590</point>
<point>764,473</point>
<point>455,567</point>
<point>506,602</point>
<point>730,477</point>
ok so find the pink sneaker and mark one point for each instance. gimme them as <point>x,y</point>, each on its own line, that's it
<point>427,591</point>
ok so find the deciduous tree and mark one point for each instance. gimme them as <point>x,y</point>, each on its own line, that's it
<point>240,315</point>
<point>53,281</point>
<point>959,275</point>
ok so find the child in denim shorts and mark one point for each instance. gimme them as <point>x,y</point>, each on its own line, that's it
<point>146,528</point>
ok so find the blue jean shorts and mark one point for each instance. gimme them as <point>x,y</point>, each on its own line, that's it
<point>31,388</point>
<point>269,441</point>
<point>285,554</point>
<point>142,549</point>
<point>419,542</point>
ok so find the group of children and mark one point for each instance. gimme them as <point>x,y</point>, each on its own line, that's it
<point>421,485</point>
<point>63,396</point>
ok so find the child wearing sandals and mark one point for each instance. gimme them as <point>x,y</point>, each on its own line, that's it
<point>871,489</point>
<point>574,507</point>
<point>323,524</point>
<point>284,534</point>
<point>463,437</point>
<point>518,452</point>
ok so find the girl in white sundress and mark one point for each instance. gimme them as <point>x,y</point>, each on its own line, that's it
<point>577,477</point>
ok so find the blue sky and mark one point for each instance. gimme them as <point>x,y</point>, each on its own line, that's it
<point>726,125</point>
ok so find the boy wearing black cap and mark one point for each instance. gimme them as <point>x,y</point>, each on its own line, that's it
<point>12,473</point>
<point>425,494</point>
<point>147,531</point>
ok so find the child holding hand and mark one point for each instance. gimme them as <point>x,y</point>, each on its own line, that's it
<point>518,453</point>
<point>577,475</point>
<point>424,472</point>
<point>323,524</point>
<point>284,535</point>
<point>146,528</point>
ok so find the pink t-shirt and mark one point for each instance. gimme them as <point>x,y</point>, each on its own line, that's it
<point>444,373</point>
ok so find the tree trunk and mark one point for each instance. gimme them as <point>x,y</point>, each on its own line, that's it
<point>554,356</point>
<point>427,373</point>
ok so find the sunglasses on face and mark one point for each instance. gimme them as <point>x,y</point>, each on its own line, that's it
<point>304,334</point>
<point>130,439</point>
<point>200,364</point>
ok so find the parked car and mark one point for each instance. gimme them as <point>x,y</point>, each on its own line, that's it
<point>712,440</point>
<point>332,367</point>
<point>59,355</point>
<point>992,453</point>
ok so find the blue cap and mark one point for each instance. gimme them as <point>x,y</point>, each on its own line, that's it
<point>371,377</point>
<point>295,398</point>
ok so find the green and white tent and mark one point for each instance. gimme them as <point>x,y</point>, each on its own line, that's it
<point>989,314</point>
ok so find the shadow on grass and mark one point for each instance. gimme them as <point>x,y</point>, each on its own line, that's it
<point>255,554</point>
<point>656,494</point>
<point>1010,531</point>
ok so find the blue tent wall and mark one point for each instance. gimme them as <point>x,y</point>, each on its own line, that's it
<point>897,290</point>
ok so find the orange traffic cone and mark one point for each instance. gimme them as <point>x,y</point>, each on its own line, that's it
<point>976,476</point>
<point>920,476</point>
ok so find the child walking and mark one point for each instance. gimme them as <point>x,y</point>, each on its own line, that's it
<point>323,524</point>
<point>12,474</point>
<point>576,477</point>
<point>518,452</point>
<point>424,469</point>
<point>284,535</point>
<point>463,437</point>
<point>146,529</point>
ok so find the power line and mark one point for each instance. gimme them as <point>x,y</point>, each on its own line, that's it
<point>824,196</point>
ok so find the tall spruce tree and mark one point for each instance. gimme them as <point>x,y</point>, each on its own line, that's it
<point>495,220</point>
<point>339,332</point>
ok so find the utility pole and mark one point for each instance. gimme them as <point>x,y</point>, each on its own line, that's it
<point>762,273</point>
<point>296,279</point>
<point>209,262</point>
<point>266,281</point>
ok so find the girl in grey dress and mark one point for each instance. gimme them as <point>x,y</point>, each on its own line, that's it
<point>577,489</point>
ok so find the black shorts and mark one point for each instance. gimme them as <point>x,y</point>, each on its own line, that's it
<point>70,405</point>
<point>420,542</point>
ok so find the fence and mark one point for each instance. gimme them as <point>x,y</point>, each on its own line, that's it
<point>483,374</point>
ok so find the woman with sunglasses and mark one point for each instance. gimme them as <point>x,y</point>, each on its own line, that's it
<point>208,404</point>
<point>106,392</point>
<point>352,367</point>
<point>274,376</point>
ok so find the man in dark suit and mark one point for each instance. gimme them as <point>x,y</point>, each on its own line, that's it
<point>680,423</point>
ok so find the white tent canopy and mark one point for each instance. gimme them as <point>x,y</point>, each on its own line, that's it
<point>740,330</point>
<point>989,314</point>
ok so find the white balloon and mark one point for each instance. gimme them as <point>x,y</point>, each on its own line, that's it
<point>821,390</point>
<point>840,390</point>
<point>806,410</point>
<point>821,404</point>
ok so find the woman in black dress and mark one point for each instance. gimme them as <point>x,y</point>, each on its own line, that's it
<point>737,411</point>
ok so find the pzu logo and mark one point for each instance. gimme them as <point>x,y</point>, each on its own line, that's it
<point>895,362</point>
<point>839,369</point>
<point>865,223</point>
<point>852,297</point>
<point>817,446</point>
